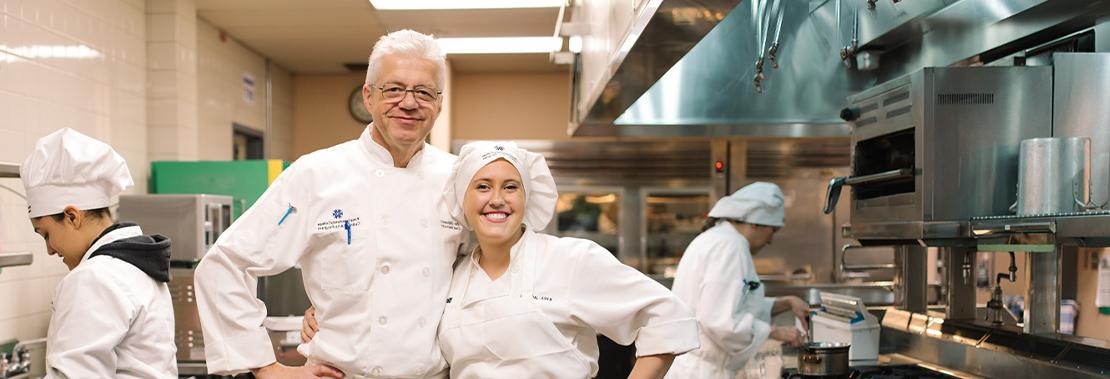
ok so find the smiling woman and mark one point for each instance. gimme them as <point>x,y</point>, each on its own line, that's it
<point>525,304</point>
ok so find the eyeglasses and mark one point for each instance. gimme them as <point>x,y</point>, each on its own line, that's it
<point>396,93</point>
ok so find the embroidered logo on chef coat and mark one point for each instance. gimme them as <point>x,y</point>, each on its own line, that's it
<point>544,298</point>
<point>337,213</point>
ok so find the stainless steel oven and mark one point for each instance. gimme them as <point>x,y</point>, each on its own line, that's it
<point>940,145</point>
<point>193,223</point>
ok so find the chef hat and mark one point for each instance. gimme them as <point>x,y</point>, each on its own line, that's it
<point>539,187</point>
<point>757,203</point>
<point>69,168</point>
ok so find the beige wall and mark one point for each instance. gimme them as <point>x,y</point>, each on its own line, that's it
<point>477,106</point>
<point>101,94</point>
<point>222,64</point>
<point>511,106</point>
<point>320,116</point>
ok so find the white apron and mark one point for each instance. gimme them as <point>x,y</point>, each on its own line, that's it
<point>505,336</point>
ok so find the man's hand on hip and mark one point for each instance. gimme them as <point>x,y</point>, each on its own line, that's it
<point>308,325</point>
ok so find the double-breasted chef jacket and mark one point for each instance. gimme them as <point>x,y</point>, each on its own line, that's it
<point>373,251</point>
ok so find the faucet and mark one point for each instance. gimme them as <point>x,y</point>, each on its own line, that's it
<point>995,306</point>
<point>18,361</point>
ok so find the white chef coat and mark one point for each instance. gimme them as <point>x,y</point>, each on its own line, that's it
<point>561,293</point>
<point>373,251</point>
<point>111,320</point>
<point>713,277</point>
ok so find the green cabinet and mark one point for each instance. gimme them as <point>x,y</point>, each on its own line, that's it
<point>245,181</point>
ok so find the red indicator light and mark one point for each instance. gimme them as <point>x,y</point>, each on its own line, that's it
<point>719,166</point>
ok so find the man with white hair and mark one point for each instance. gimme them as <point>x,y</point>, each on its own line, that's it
<point>360,219</point>
<point>716,277</point>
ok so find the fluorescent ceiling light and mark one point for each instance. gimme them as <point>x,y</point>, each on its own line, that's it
<point>500,45</point>
<point>464,4</point>
<point>48,52</point>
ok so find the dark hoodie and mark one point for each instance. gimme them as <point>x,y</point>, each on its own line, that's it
<point>151,254</point>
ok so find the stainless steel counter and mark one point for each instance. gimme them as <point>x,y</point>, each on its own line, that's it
<point>981,349</point>
<point>790,362</point>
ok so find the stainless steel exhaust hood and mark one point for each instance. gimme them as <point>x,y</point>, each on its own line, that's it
<point>629,46</point>
<point>714,85</point>
<point>710,91</point>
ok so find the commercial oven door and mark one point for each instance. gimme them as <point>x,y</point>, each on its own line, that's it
<point>881,166</point>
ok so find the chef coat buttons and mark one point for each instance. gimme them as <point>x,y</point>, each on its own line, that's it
<point>376,371</point>
<point>385,268</point>
<point>385,219</point>
<point>379,173</point>
<point>382,320</point>
<point>424,222</point>
<point>421,321</point>
<point>426,271</point>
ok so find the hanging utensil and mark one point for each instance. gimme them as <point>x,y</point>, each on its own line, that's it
<point>773,50</point>
<point>759,10</point>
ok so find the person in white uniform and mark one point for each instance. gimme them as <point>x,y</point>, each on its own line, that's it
<point>717,278</point>
<point>360,219</point>
<point>529,305</point>
<point>112,313</point>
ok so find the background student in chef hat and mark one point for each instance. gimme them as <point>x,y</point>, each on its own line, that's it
<point>716,277</point>
<point>112,311</point>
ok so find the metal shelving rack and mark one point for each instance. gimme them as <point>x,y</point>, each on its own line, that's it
<point>22,258</point>
<point>9,170</point>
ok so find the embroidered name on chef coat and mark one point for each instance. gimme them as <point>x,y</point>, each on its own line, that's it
<point>334,220</point>
<point>450,224</point>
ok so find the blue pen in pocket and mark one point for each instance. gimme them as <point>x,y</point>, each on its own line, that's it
<point>287,212</point>
<point>347,225</point>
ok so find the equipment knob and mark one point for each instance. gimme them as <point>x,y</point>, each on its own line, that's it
<point>849,114</point>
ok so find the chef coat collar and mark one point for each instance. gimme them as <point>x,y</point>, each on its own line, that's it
<point>730,229</point>
<point>112,234</point>
<point>381,154</point>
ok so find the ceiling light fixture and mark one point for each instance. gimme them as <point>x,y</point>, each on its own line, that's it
<point>500,45</point>
<point>463,4</point>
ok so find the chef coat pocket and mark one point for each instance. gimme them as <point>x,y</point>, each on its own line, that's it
<point>344,264</point>
<point>515,329</point>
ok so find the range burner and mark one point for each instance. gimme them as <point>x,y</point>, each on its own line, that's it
<point>878,372</point>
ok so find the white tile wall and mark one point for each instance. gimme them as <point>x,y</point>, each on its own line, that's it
<point>221,66</point>
<point>63,63</point>
<point>171,79</point>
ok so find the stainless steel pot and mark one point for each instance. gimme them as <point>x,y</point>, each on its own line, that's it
<point>1054,175</point>
<point>823,359</point>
